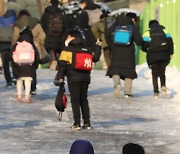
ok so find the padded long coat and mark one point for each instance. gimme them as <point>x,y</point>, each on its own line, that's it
<point>123,57</point>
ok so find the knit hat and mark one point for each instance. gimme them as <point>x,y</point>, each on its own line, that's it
<point>131,148</point>
<point>153,23</point>
<point>54,2</point>
<point>81,147</point>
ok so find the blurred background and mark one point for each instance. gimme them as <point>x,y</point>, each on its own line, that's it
<point>165,11</point>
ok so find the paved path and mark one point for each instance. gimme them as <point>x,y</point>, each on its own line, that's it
<point>35,129</point>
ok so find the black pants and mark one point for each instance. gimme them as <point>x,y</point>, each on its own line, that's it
<point>158,70</point>
<point>79,101</point>
<point>33,83</point>
<point>6,60</point>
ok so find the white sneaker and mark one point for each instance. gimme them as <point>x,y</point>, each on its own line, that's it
<point>117,91</point>
<point>163,91</point>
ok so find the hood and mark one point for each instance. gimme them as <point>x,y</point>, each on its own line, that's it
<point>24,21</point>
<point>51,9</point>
<point>79,42</point>
<point>10,13</point>
<point>123,20</point>
<point>156,26</point>
<point>92,6</point>
<point>81,147</point>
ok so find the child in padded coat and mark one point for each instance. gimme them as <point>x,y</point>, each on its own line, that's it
<point>78,78</point>
<point>24,72</point>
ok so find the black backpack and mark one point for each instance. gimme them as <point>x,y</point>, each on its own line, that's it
<point>159,41</point>
<point>55,24</point>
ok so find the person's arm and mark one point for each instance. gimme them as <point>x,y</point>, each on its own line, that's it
<point>97,53</point>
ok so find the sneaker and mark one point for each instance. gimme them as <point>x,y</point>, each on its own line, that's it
<point>1,70</point>
<point>76,127</point>
<point>18,98</point>
<point>87,126</point>
<point>9,85</point>
<point>128,96</point>
<point>163,91</point>
<point>156,95</point>
<point>33,93</point>
<point>14,81</point>
<point>117,91</point>
<point>27,99</point>
<point>60,116</point>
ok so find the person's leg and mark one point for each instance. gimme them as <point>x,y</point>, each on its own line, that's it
<point>107,56</point>
<point>155,72</point>
<point>33,85</point>
<point>128,87</point>
<point>74,89</point>
<point>162,76</point>
<point>84,103</point>
<point>19,86</point>
<point>53,63</point>
<point>117,86</point>
<point>5,61</point>
<point>27,83</point>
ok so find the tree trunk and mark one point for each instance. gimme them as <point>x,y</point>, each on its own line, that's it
<point>1,7</point>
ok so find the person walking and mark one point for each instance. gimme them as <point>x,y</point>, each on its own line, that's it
<point>25,19</point>
<point>123,65</point>
<point>159,48</point>
<point>53,24</point>
<point>24,72</point>
<point>5,43</point>
<point>75,62</point>
<point>85,20</point>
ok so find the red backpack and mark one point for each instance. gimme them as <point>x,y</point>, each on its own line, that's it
<point>83,61</point>
<point>24,53</point>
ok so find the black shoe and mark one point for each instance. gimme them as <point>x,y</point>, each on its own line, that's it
<point>33,93</point>
<point>9,85</point>
<point>14,81</point>
<point>76,127</point>
<point>87,126</point>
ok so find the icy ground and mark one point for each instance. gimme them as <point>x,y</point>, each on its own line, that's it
<point>35,129</point>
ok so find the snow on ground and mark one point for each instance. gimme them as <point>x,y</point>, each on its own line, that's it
<point>153,123</point>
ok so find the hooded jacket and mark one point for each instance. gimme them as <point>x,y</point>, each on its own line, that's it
<point>123,57</point>
<point>66,63</point>
<point>161,56</point>
<point>81,147</point>
<point>52,42</point>
<point>25,70</point>
<point>82,22</point>
<point>7,45</point>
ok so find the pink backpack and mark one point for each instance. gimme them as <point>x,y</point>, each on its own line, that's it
<point>24,53</point>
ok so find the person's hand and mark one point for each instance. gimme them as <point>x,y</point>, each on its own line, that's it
<point>171,56</point>
<point>99,42</point>
<point>58,82</point>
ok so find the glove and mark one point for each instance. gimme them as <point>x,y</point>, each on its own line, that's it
<point>58,82</point>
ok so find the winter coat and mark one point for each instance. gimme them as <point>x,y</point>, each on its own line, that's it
<point>7,45</point>
<point>81,147</point>
<point>37,31</point>
<point>52,42</point>
<point>82,23</point>
<point>123,57</point>
<point>66,65</point>
<point>25,70</point>
<point>98,31</point>
<point>160,56</point>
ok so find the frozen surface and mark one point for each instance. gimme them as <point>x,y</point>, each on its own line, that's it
<point>35,129</point>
